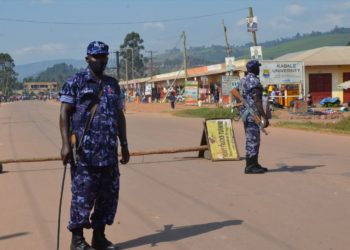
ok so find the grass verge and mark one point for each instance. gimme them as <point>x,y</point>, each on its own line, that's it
<point>207,113</point>
<point>341,127</point>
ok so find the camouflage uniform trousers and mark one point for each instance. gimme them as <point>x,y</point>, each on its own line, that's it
<point>93,187</point>
<point>252,134</point>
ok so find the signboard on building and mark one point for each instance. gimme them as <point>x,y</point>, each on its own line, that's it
<point>230,63</point>
<point>256,52</point>
<point>204,80</point>
<point>227,83</point>
<point>148,89</point>
<point>214,67</point>
<point>252,24</point>
<point>191,92</point>
<point>221,139</point>
<point>281,72</point>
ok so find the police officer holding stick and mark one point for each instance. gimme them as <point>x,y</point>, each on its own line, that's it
<point>92,111</point>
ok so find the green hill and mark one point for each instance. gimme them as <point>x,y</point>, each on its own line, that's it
<point>206,55</point>
<point>306,43</point>
<point>57,73</point>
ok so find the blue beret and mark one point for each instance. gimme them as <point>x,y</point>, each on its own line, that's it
<point>252,64</point>
<point>97,48</point>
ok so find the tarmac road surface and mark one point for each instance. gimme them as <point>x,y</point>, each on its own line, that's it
<point>179,201</point>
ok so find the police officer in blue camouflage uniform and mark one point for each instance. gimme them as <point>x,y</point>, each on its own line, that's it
<point>250,89</point>
<point>95,173</point>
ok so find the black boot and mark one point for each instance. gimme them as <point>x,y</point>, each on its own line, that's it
<point>257,163</point>
<point>99,241</point>
<point>252,166</point>
<point>78,241</point>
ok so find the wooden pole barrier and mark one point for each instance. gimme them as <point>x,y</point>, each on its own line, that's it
<point>136,153</point>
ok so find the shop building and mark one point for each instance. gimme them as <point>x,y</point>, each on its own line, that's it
<point>325,69</point>
<point>40,88</point>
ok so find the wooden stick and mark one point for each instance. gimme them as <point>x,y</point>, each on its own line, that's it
<point>136,153</point>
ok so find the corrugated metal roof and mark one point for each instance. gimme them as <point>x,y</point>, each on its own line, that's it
<point>211,70</point>
<point>333,55</point>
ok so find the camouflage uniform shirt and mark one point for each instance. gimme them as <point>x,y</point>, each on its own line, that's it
<point>246,86</point>
<point>99,145</point>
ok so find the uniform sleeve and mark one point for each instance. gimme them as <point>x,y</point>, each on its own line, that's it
<point>254,83</point>
<point>240,84</point>
<point>68,93</point>
<point>255,87</point>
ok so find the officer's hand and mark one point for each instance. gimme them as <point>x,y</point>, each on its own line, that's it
<point>66,153</point>
<point>125,155</point>
<point>264,123</point>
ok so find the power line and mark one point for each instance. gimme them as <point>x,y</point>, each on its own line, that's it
<point>5,19</point>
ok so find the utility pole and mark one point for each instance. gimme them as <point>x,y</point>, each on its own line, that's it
<point>250,15</point>
<point>4,79</point>
<point>185,54</point>
<point>117,64</point>
<point>6,85</point>
<point>228,47</point>
<point>6,89</point>
<point>132,63</point>
<point>151,54</point>
<point>126,70</point>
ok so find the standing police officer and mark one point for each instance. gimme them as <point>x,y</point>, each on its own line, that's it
<point>251,90</point>
<point>95,173</point>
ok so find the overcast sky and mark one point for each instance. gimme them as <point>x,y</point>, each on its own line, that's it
<point>37,30</point>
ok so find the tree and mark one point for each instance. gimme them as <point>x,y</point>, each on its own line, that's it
<point>8,76</point>
<point>57,73</point>
<point>130,51</point>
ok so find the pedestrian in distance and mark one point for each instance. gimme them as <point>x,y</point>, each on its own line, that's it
<point>273,98</point>
<point>94,162</point>
<point>172,99</point>
<point>250,93</point>
<point>309,100</point>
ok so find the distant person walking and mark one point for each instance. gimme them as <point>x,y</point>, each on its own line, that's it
<point>309,100</point>
<point>172,99</point>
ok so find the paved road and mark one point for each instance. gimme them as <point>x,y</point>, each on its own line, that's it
<point>178,201</point>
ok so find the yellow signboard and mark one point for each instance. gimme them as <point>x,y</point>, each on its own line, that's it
<point>221,140</point>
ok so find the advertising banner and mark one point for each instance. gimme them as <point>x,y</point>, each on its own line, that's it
<point>230,63</point>
<point>256,52</point>
<point>221,140</point>
<point>227,83</point>
<point>281,72</point>
<point>252,24</point>
<point>191,92</point>
<point>148,89</point>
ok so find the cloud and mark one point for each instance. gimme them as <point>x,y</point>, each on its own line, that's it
<point>295,9</point>
<point>335,19</point>
<point>44,1</point>
<point>343,6</point>
<point>44,49</point>
<point>241,22</point>
<point>281,22</point>
<point>158,25</point>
